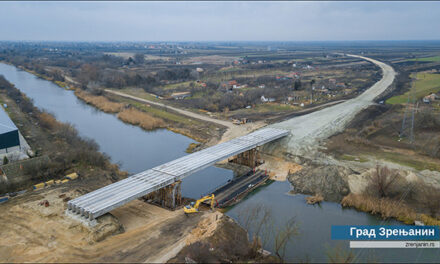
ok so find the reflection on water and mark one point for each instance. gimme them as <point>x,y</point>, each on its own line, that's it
<point>315,221</point>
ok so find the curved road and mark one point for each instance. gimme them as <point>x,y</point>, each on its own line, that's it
<point>309,130</point>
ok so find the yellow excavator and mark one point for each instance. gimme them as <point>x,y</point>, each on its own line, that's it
<point>194,207</point>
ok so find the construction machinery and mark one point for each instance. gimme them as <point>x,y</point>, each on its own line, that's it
<point>241,121</point>
<point>193,207</point>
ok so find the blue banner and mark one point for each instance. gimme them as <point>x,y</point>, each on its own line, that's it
<point>361,232</point>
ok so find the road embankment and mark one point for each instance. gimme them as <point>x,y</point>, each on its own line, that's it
<point>308,131</point>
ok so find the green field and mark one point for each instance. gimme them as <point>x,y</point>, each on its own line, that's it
<point>138,92</point>
<point>176,85</point>
<point>431,59</point>
<point>426,83</point>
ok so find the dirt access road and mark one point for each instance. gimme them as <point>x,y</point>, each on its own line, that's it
<point>308,131</point>
<point>34,233</point>
<point>232,131</point>
<point>178,110</point>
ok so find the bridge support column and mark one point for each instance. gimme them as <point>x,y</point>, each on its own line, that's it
<point>248,158</point>
<point>168,197</point>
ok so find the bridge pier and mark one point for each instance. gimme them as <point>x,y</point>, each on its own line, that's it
<point>250,158</point>
<point>168,197</point>
<point>154,182</point>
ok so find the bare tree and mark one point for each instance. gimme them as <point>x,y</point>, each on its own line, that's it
<point>431,199</point>
<point>382,179</point>
<point>283,236</point>
<point>259,220</point>
<point>339,254</point>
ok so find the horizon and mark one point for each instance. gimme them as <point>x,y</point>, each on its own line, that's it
<point>219,41</point>
<point>219,21</point>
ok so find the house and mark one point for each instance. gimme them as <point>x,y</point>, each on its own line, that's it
<point>180,95</point>
<point>225,86</point>
<point>265,100</point>
<point>237,86</point>
<point>430,97</point>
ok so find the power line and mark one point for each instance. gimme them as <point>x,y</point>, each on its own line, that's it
<point>402,131</point>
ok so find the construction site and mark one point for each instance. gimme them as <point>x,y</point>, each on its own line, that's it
<point>100,187</point>
<point>153,227</point>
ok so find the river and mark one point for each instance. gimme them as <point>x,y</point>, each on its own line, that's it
<point>137,150</point>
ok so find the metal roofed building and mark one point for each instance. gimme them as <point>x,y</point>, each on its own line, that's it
<point>103,200</point>
<point>9,136</point>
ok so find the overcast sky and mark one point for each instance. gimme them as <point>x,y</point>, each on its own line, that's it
<point>218,21</point>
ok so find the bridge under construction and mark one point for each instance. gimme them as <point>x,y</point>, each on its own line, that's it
<point>103,200</point>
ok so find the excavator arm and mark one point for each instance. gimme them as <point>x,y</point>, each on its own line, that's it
<point>194,209</point>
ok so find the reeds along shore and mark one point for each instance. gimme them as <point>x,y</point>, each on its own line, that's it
<point>142,119</point>
<point>100,102</point>
<point>128,115</point>
<point>387,208</point>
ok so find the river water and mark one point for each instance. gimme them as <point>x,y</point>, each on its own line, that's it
<point>137,150</point>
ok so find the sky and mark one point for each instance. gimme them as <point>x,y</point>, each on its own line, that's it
<point>219,21</point>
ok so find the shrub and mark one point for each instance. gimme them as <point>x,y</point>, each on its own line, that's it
<point>381,181</point>
<point>47,121</point>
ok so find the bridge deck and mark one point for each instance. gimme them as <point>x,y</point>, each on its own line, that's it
<point>101,201</point>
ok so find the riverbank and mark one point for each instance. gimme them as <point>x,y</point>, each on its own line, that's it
<point>146,116</point>
<point>46,234</point>
<point>391,193</point>
<point>63,150</point>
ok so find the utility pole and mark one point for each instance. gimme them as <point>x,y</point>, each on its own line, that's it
<point>411,138</point>
<point>402,131</point>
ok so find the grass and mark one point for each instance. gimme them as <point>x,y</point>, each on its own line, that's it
<point>430,59</point>
<point>191,147</point>
<point>138,93</point>
<point>385,207</point>
<point>176,85</point>
<point>425,84</point>
<point>100,102</point>
<point>159,112</point>
<point>274,107</point>
<point>142,119</point>
<point>239,73</point>
<point>170,117</point>
<point>408,161</point>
